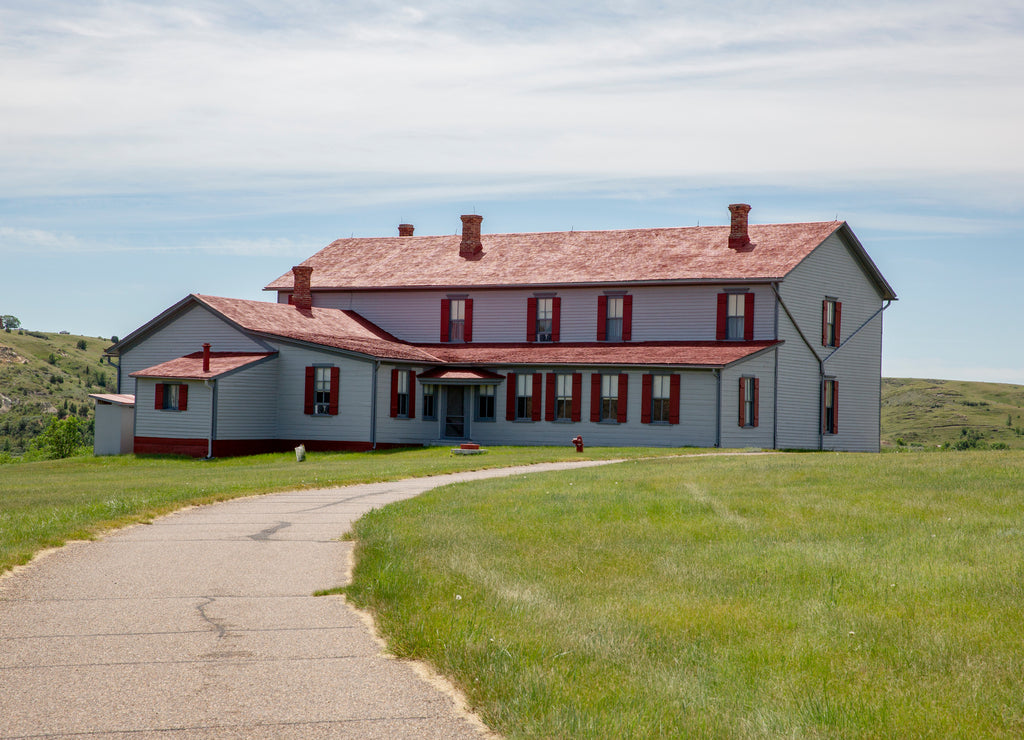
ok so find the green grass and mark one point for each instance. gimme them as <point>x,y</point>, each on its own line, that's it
<point>44,504</point>
<point>805,596</point>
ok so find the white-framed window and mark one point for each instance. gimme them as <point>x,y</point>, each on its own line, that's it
<point>735,316</point>
<point>613,318</point>
<point>457,320</point>
<point>172,394</point>
<point>661,394</point>
<point>609,398</point>
<point>429,401</point>
<point>402,393</point>
<point>524,396</point>
<point>321,390</point>
<point>545,319</point>
<point>485,402</point>
<point>563,397</point>
<point>831,407</point>
<point>749,401</point>
<point>830,312</point>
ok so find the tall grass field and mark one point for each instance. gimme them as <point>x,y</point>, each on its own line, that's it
<point>797,596</point>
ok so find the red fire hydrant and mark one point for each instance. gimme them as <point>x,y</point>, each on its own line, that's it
<point>578,441</point>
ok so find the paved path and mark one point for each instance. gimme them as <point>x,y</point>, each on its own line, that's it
<point>202,625</point>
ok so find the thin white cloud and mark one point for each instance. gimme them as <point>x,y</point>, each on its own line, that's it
<point>138,96</point>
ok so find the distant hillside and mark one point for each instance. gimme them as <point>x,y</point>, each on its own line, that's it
<point>44,375</point>
<point>930,413</point>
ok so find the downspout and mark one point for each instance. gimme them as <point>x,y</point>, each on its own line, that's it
<point>718,406</point>
<point>373,405</point>
<point>213,417</point>
<point>821,361</point>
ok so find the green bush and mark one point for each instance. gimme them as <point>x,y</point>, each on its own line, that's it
<point>61,438</point>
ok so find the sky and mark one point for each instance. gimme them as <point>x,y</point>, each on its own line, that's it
<point>151,150</point>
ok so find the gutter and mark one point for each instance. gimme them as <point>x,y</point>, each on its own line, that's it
<point>822,361</point>
<point>212,385</point>
<point>373,404</point>
<point>718,402</point>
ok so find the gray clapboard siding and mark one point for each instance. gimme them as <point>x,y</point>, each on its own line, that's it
<point>830,271</point>
<point>247,403</point>
<point>183,335</point>
<point>696,427</point>
<point>660,313</point>
<point>761,367</point>
<point>193,423</point>
<point>352,424</point>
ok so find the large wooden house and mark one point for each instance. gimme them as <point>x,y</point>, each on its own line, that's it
<point>766,336</point>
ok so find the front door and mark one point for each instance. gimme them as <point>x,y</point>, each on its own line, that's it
<point>455,412</point>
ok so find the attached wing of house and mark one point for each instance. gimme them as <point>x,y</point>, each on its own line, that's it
<point>711,336</point>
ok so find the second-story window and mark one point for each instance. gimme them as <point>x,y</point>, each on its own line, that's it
<point>613,319</point>
<point>545,316</point>
<point>735,316</point>
<point>457,320</point>
<point>831,310</point>
<point>735,319</point>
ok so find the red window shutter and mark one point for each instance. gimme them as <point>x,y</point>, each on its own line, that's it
<point>394,393</point>
<point>510,397</point>
<point>646,397</point>
<point>602,319</point>
<point>446,315</point>
<point>577,396</point>
<point>332,407</point>
<point>183,397</point>
<point>627,318</point>
<point>158,399</point>
<point>743,402</point>
<point>722,324</point>
<point>748,317</point>
<point>538,394</point>
<point>531,319</point>
<point>556,318</point>
<point>595,397</point>
<point>549,398</point>
<point>310,383</point>
<point>824,323</point>
<point>839,314</point>
<point>467,331</point>
<point>673,400</point>
<point>623,398</point>
<point>757,401</point>
<point>412,394</point>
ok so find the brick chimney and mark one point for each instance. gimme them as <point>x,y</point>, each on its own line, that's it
<point>302,298</point>
<point>206,357</point>
<point>405,229</point>
<point>738,236</point>
<point>471,246</point>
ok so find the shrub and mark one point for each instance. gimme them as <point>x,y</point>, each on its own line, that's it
<point>61,438</point>
<point>81,344</point>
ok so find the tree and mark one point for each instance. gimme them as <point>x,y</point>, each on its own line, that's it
<point>61,438</point>
<point>9,322</point>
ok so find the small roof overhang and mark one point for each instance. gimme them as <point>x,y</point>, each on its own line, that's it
<point>460,376</point>
<point>113,399</point>
<point>190,367</point>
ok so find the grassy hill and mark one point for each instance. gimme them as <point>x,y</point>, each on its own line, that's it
<point>43,375</point>
<point>930,413</point>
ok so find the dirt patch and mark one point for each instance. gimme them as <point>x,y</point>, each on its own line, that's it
<point>9,355</point>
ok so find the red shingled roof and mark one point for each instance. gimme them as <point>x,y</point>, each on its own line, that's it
<point>190,367</point>
<point>562,258</point>
<point>693,354</point>
<point>325,326</point>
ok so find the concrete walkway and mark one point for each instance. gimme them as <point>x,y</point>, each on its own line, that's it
<point>202,625</point>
